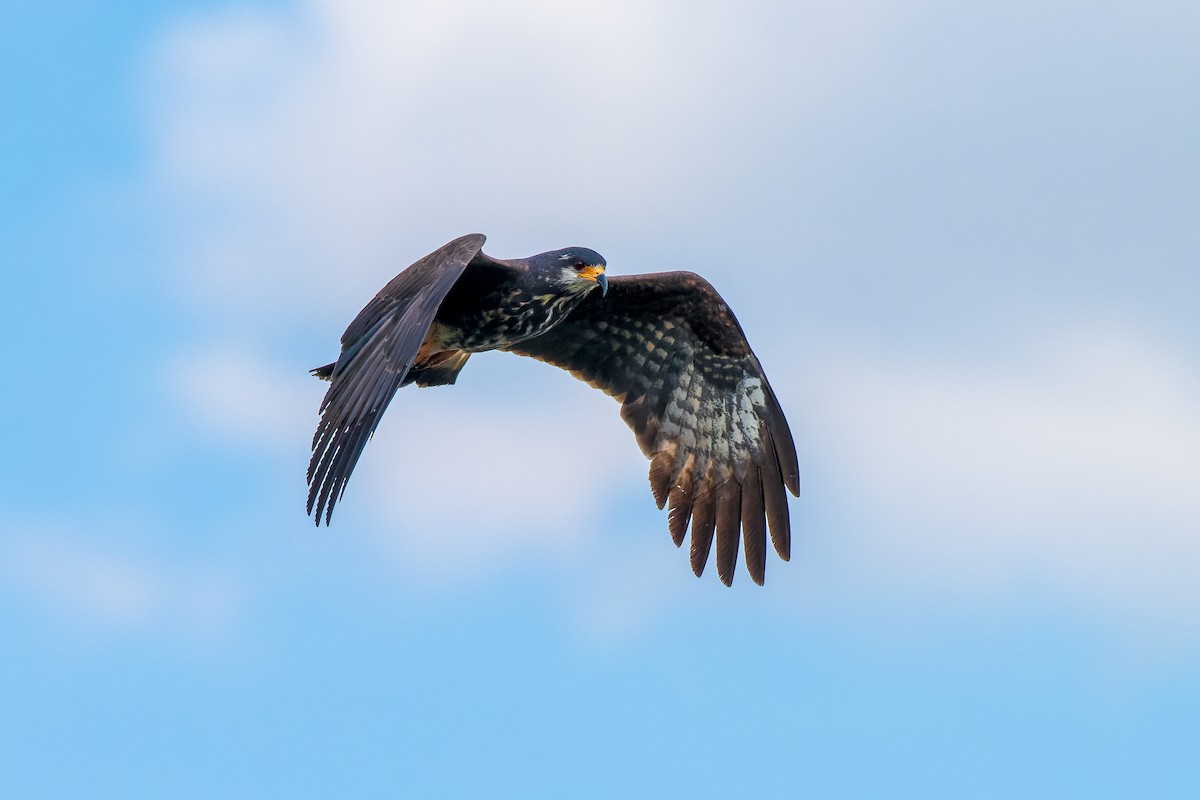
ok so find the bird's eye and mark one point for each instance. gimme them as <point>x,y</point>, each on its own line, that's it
<point>579,265</point>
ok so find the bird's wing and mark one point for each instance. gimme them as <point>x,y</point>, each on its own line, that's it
<point>378,349</point>
<point>671,351</point>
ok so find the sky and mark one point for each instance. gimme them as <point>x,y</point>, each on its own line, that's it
<point>962,239</point>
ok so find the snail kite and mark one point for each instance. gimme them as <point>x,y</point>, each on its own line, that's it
<point>665,345</point>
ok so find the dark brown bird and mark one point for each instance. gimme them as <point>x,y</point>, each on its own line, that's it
<point>665,345</point>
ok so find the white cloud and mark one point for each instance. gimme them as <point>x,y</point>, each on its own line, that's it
<point>513,463</point>
<point>96,586</point>
<point>244,397</point>
<point>315,151</point>
<point>1075,468</point>
<point>321,148</point>
<point>519,465</point>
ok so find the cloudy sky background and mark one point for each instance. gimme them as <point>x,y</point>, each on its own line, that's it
<point>962,239</point>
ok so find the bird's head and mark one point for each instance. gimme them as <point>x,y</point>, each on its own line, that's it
<point>577,270</point>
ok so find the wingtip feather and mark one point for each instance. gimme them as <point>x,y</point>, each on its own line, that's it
<point>728,530</point>
<point>662,470</point>
<point>754,527</point>
<point>703,523</point>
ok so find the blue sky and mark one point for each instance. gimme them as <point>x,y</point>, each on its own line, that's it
<point>962,240</point>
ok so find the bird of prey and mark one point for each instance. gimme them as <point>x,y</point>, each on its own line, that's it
<point>665,345</point>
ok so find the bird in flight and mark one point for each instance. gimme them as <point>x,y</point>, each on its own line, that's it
<point>665,345</point>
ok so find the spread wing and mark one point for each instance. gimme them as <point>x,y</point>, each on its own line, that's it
<point>671,351</point>
<point>378,350</point>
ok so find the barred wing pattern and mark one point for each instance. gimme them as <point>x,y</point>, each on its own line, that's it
<point>670,350</point>
<point>378,350</point>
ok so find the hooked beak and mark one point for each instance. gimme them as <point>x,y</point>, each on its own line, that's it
<point>595,273</point>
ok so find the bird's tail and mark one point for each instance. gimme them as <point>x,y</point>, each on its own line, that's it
<point>439,371</point>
